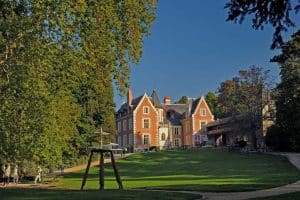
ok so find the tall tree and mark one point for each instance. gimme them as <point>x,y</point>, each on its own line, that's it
<point>277,13</point>
<point>58,63</point>
<point>244,94</point>
<point>288,98</point>
<point>212,100</point>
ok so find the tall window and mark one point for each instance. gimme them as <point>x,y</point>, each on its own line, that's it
<point>197,138</point>
<point>130,139</point>
<point>202,112</point>
<point>146,110</point>
<point>202,125</point>
<point>176,131</point>
<point>130,124</point>
<point>146,123</point>
<point>163,137</point>
<point>176,142</point>
<point>119,126</point>
<point>146,139</point>
<point>124,140</point>
<point>125,125</point>
<point>119,140</point>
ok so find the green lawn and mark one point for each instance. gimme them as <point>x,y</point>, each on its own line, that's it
<point>203,170</point>
<point>39,194</point>
<point>291,196</point>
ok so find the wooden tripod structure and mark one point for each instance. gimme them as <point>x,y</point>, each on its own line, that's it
<point>101,168</point>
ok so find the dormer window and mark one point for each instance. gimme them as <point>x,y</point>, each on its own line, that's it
<point>146,110</point>
<point>202,112</point>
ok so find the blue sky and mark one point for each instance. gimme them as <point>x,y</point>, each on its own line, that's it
<point>192,49</point>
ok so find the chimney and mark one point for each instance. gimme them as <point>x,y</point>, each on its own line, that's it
<point>167,100</point>
<point>129,97</point>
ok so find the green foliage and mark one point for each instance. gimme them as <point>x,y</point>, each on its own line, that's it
<point>244,93</point>
<point>212,100</point>
<point>58,64</point>
<point>265,12</point>
<point>182,100</point>
<point>288,92</point>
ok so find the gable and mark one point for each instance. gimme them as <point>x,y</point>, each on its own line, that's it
<point>202,105</point>
<point>145,101</point>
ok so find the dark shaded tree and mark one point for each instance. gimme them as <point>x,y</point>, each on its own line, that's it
<point>212,100</point>
<point>288,93</point>
<point>277,13</point>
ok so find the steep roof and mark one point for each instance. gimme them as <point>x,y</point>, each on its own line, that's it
<point>194,105</point>
<point>155,100</point>
<point>175,112</point>
<point>134,104</point>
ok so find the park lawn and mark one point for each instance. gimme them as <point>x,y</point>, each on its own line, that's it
<point>202,170</point>
<point>291,196</point>
<point>51,194</point>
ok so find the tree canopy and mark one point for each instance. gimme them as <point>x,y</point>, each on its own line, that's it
<point>58,64</point>
<point>277,13</point>
<point>288,93</point>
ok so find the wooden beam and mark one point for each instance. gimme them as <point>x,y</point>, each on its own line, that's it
<point>101,171</point>
<point>86,171</point>
<point>118,178</point>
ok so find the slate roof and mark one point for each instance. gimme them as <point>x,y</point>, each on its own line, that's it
<point>228,119</point>
<point>176,112</point>
<point>134,104</point>
<point>155,100</point>
<point>194,105</point>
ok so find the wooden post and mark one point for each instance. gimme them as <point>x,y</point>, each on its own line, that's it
<point>116,171</point>
<point>101,171</point>
<point>86,171</point>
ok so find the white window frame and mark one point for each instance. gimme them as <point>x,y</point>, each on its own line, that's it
<point>130,139</point>
<point>146,110</point>
<point>124,125</point>
<point>202,112</point>
<point>124,140</point>
<point>149,139</point>
<point>130,124</point>
<point>176,131</point>
<point>119,126</point>
<point>120,140</point>
<point>161,137</point>
<point>143,122</point>
<point>176,142</point>
<point>201,128</point>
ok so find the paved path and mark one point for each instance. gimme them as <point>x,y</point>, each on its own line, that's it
<point>295,187</point>
<point>294,158</point>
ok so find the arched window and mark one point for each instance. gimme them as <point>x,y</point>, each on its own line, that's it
<point>163,137</point>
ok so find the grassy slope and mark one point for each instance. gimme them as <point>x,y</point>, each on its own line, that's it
<point>204,170</point>
<point>36,194</point>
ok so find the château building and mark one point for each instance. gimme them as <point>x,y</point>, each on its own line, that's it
<point>144,122</point>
